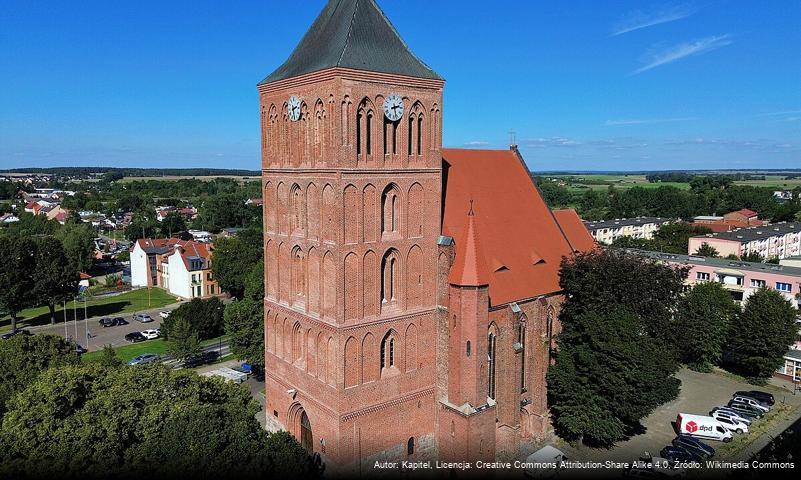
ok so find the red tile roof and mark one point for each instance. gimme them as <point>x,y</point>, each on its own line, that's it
<point>575,230</point>
<point>746,213</point>
<point>521,242</point>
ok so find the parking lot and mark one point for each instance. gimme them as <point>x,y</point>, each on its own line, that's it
<point>100,336</point>
<point>700,392</point>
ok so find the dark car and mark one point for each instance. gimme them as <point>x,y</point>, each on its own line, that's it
<point>135,337</point>
<point>757,395</point>
<point>693,445</point>
<point>202,359</point>
<point>20,331</point>
<point>107,322</point>
<point>80,350</point>
<point>679,454</point>
<point>120,321</point>
<point>745,408</point>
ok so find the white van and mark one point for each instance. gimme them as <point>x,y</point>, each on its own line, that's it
<point>700,426</point>
<point>544,463</point>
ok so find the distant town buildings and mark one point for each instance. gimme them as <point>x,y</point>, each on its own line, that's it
<point>181,267</point>
<point>607,231</point>
<point>740,219</point>
<point>779,240</point>
<point>741,279</point>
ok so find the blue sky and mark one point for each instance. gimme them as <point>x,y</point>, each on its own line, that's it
<point>586,85</point>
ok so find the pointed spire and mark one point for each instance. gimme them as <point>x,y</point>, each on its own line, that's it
<point>352,34</point>
<point>470,268</point>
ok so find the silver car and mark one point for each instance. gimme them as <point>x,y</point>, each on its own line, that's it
<point>144,358</point>
<point>143,318</point>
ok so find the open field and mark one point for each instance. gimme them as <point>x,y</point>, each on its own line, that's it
<point>128,302</point>
<point>581,182</point>
<point>208,178</point>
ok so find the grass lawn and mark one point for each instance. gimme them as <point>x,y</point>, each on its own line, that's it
<point>128,302</point>
<point>755,430</point>
<point>127,352</point>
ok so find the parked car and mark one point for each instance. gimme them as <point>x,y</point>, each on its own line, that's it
<point>19,331</point>
<point>730,414</point>
<point>746,408</point>
<point>747,414</point>
<point>751,401</point>
<point>80,350</point>
<point>693,445</point>
<point>164,313</point>
<point>144,358</point>
<point>120,321</point>
<point>241,369</point>
<point>547,455</point>
<point>201,359</point>
<point>758,395</point>
<point>135,337</point>
<point>143,318</point>
<point>107,322</point>
<point>151,333</point>
<point>679,454</point>
<point>735,425</point>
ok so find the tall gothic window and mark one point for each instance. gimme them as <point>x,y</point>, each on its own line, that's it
<point>411,127</point>
<point>369,133</point>
<point>491,338</point>
<point>420,135</point>
<point>521,338</point>
<point>389,209</point>
<point>388,351</point>
<point>359,132</point>
<point>389,276</point>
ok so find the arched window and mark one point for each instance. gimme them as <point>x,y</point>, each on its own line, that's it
<point>298,275</point>
<point>369,133</point>
<point>467,349</point>
<point>411,127</point>
<point>389,277</point>
<point>388,351</point>
<point>420,135</point>
<point>359,132</point>
<point>521,339</point>
<point>298,219</point>
<point>389,208</point>
<point>410,447</point>
<point>491,339</point>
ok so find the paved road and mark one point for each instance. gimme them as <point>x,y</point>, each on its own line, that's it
<point>100,336</point>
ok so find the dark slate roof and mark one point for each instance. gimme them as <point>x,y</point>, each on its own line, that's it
<point>749,234</point>
<point>353,34</point>
<point>721,263</point>
<point>622,222</point>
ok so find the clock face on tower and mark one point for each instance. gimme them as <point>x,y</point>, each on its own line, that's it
<point>393,107</point>
<point>294,108</point>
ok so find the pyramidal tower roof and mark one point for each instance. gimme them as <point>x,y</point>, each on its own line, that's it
<point>470,268</point>
<point>352,34</point>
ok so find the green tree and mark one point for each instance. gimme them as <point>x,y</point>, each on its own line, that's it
<point>55,280</point>
<point>702,322</point>
<point>752,256</point>
<point>765,329</point>
<point>613,280</point>
<point>90,421</point>
<point>172,223</point>
<point>23,357</point>
<point>142,226</point>
<point>204,316</point>
<point>707,250</point>
<point>109,357</point>
<point>616,358</point>
<point>79,245</point>
<point>226,210</point>
<point>183,341</point>
<point>554,194</point>
<point>607,377</point>
<point>18,256</point>
<point>234,258</point>
<point>244,325</point>
<point>674,237</point>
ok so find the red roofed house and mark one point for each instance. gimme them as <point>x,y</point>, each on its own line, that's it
<point>742,218</point>
<point>411,291</point>
<point>182,267</point>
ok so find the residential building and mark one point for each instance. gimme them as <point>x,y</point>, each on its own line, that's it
<point>607,231</point>
<point>181,267</point>
<point>741,279</point>
<point>740,219</point>
<point>778,240</point>
<point>201,235</point>
<point>411,291</point>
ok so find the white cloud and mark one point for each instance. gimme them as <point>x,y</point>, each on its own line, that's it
<point>637,19</point>
<point>476,143</point>
<point>550,142</point>
<point>683,50</point>
<point>647,121</point>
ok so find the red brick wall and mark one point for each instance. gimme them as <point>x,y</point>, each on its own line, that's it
<point>336,223</point>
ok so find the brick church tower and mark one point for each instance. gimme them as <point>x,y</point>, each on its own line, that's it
<point>351,129</point>
<point>411,292</point>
